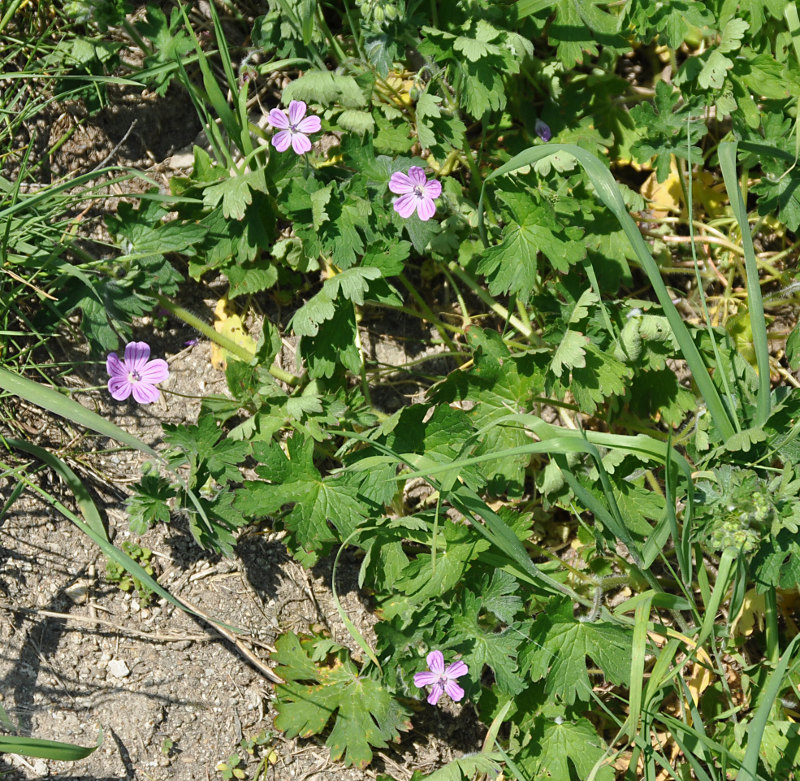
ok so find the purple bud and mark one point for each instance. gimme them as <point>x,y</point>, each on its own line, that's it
<point>543,130</point>
<point>190,343</point>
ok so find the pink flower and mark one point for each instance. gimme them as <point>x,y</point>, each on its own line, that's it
<point>415,192</point>
<point>136,373</point>
<point>440,678</point>
<point>294,128</point>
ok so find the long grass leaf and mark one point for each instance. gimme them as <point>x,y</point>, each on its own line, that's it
<point>53,401</point>
<point>82,497</point>
<point>755,304</point>
<point>45,749</point>
<point>749,769</point>
<point>637,665</point>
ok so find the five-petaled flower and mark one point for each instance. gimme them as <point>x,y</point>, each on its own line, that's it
<point>136,373</point>
<point>294,129</point>
<point>441,678</point>
<point>415,192</point>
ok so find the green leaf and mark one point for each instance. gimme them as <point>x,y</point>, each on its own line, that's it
<point>559,647</point>
<point>497,386</point>
<point>481,645</point>
<point>576,27</point>
<point>664,130</point>
<point>360,122</point>
<point>60,404</point>
<point>327,88</point>
<point>732,35</point>
<point>714,70</point>
<point>46,749</point>
<point>793,349</point>
<point>499,595</point>
<point>204,445</point>
<point>364,714</point>
<point>570,353</point>
<point>427,577</point>
<point>149,503</point>
<point>487,763</point>
<point>235,192</point>
<point>568,750</point>
<point>294,480</point>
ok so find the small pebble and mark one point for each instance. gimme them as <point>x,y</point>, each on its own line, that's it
<point>118,668</point>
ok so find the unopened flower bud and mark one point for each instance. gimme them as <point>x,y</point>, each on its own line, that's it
<point>543,130</point>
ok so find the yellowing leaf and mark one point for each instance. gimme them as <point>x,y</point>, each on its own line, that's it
<point>665,198</point>
<point>230,325</point>
<point>701,676</point>
<point>751,614</point>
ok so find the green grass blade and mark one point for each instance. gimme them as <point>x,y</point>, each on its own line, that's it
<point>82,497</point>
<point>637,665</point>
<point>755,304</point>
<point>53,401</point>
<point>46,749</point>
<point>727,563</point>
<point>609,193</point>
<point>749,769</point>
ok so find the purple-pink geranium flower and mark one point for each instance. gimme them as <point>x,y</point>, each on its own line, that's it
<point>135,373</point>
<point>293,128</point>
<point>415,192</point>
<point>440,678</point>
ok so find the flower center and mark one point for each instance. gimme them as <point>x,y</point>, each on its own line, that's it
<point>419,191</point>
<point>134,376</point>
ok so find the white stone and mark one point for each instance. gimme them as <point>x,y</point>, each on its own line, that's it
<point>118,668</point>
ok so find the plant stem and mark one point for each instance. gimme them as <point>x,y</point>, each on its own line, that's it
<point>242,353</point>
<point>771,625</point>
<point>487,299</point>
<point>426,310</point>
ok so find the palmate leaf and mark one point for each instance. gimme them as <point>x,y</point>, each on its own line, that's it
<point>466,767</point>
<point>560,645</point>
<point>497,385</point>
<point>294,479</point>
<point>664,130</point>
<point>425,578</point>
<point>577,29</point>
<point>235,192</point>
<point>364,714</point>
<point>485,647</point>
<point>567,750</point>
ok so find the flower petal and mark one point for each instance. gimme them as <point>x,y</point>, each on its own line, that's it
<point>425,679</point>
<point>300,143</point>
<point>309,125</point>
<point>436,692</point>
<point>400,183</point>
<point>417,175</point>
<point>145,393</point>
<point>405,205</point>
<point>297,110</point>
<point>137,354</point>
<point>115,367</point>
<point>282,140</point>
<point>278,119</point>
<point>155,371</point>
<point>119,388</point>
<point>456,670</point>
<point>425,208</point>
<point>454,691</point>
<point>433,189</point>
<point>435,662</point>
